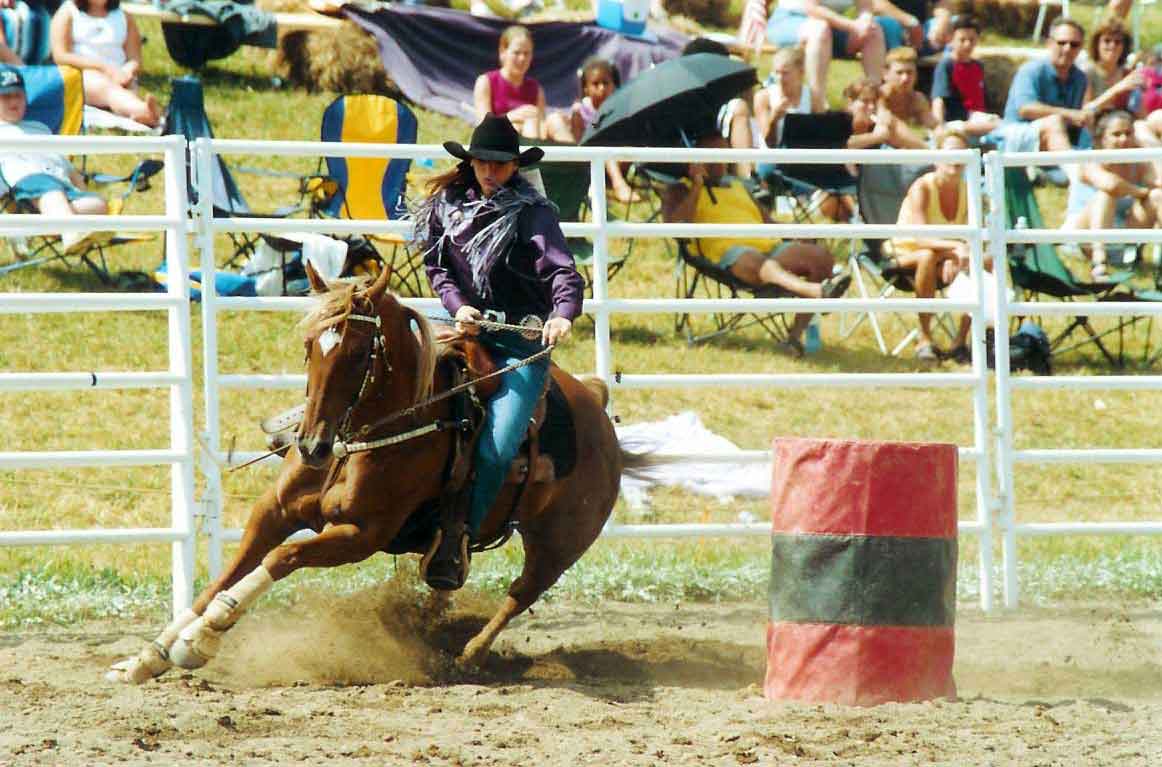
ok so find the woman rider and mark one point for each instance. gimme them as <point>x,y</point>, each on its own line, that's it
<point>493,250</point>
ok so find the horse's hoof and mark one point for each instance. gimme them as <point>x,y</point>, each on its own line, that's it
<point>195,646</point>
<point>148,664</point>
<point>472,657</point>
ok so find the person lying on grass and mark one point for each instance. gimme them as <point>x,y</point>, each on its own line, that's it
<point>47,181</point>
<point>708,196</point>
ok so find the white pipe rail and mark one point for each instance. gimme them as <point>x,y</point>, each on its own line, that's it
<point>999,238</point>
<point>179,456</point>
<point>602,307</point>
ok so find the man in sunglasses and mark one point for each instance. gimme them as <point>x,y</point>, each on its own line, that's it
<point>1043,109</point>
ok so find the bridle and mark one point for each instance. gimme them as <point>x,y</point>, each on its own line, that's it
<point>378,348</point>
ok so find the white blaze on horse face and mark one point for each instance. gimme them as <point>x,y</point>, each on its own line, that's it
<point>328,340</point>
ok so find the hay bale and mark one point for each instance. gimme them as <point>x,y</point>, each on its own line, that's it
<point>344,60</point>
<point>998,74</point>
<point>712,13</point>
<point>1017,18</point>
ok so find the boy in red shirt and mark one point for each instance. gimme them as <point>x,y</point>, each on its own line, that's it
<point>958,83</point>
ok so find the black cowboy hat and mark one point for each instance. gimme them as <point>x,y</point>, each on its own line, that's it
<point>495,139</point>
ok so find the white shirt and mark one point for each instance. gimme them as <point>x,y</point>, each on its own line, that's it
<point>99,37</point>
<point>16,165</point>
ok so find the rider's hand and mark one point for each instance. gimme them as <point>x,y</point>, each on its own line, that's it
<point>555,331</point>
<point>466,319</point>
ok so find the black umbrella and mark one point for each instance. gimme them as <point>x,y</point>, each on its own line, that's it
<point>670,104</point>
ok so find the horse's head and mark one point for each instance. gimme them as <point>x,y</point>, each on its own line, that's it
<point>361,358</point>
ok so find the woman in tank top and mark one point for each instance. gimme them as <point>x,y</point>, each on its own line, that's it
<point>101,40</point>
<point>509,91</point>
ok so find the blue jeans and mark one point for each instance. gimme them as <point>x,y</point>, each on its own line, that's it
<point>506,418</point>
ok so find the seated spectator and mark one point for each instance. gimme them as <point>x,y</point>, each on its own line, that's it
<point>1114,195</point>
<point>1044,105</point>
<point>1146,104</point>
<point>822,29</point>
<point>101,40</point>
<point>46,181</point>
<point>958,83</point>
<point>1109,81</point>
<point>936,198</point>
<point>509,91</point>
<point>873,125</point>
<point>784,92</point>
<point>734,122</point>
<point>899,90</point>
<point>801,268</point>
<point>598,79</point>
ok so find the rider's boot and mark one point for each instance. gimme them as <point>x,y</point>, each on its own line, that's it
<point>445,566</point>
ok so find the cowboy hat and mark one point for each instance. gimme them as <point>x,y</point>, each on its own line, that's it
<point>495,139</point>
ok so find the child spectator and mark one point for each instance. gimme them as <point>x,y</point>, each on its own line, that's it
<point>101,40</point>
<point>598,79</point>
<point>47,181</point>
<point>872,124</point>
<point>899,90</point>
<point>958,83</point>
<point>509,91</point>
<point>1121,195</point>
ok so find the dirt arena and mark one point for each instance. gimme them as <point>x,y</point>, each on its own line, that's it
<point>368,680</point>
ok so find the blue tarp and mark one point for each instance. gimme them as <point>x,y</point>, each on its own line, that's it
<point>434,55</point>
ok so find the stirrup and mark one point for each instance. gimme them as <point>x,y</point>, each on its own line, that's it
<point>445,567</point>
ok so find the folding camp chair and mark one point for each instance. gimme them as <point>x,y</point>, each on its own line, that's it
<point>186,116</point>
<point>56,98</point>
<point>804,187</point>
<point>1038,271</point>
<point>881,190</point>
<point>698,277</point>
<point>370,187</point>
<point>26,30</point>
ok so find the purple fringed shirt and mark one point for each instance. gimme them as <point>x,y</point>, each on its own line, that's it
<point>536,276</point>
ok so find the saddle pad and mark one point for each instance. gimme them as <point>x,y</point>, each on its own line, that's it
<point>558,437</point>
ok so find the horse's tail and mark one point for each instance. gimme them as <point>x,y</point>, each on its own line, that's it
<point>636,464</point>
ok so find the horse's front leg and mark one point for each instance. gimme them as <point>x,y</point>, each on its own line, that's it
<point>267,526</point>
<point>340,544</point>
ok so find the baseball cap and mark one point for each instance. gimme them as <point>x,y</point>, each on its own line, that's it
<point>11,81</point>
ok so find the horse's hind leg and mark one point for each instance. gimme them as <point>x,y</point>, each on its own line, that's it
<point>266,528</point>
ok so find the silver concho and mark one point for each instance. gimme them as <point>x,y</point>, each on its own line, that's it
<point>534,324</point>
<point>328,340</point>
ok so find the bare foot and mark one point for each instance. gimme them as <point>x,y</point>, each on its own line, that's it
<point>626,195</point>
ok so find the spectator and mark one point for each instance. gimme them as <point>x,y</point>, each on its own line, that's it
<point>899,90</point>
<point>101,40</point>
<point>1121,195</point>
<point>784,92</point>
<point>801,268</point>
<point>936,198</point>
<point>598,79</point>
<point>958,83</point>
<point>734,120</point>
<point>509,91</point>
<point>1146,103</point>
<point>1044,106</point>
<point>46,181</point>
<point>1119,9</point>
<point>1109,81</point>
<point>872,124</point>
<point>822,29</point>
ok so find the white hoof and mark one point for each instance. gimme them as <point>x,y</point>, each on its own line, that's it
<point>150,663</point>
<point>195,646</point>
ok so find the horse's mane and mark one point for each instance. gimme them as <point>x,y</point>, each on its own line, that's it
<point>335,306</point>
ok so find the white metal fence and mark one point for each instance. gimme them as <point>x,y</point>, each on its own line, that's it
<point>179,455</point>
<point>994,507</point>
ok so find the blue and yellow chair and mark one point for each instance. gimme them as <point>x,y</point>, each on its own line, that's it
<point>369,187</point>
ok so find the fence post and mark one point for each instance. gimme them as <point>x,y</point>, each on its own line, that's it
<point>202,160</point>
<point>998,246</point>
<point>980,409</point>
<point>604,360</point>
<point>181,399</point>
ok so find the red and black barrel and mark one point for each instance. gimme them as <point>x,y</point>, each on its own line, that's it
<point>863,571</point>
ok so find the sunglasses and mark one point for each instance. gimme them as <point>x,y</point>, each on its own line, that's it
<point>1068,43</point>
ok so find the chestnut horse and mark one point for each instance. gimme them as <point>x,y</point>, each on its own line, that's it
<point>365,362</point>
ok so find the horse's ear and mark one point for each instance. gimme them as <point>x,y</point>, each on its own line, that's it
<point>318,284</point>
<point>379,287</point>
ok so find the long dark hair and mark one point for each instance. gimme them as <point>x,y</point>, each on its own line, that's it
<point>83,5</point>
<point>460,175</point>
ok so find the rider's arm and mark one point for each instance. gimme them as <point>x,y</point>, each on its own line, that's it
<point>552,261</point>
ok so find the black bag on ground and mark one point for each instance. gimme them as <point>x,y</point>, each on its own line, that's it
<point>1028,350</point>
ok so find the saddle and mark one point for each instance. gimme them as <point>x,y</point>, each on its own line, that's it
<point>549,449</point>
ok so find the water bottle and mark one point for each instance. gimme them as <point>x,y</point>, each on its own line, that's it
<point>812,341</point>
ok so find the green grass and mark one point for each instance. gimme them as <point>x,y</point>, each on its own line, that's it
<point>243,100</point>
